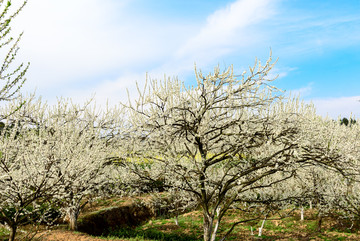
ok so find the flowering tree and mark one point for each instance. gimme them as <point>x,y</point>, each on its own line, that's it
<point>88,135</point>
<point>336,186</point>
<point>217,140</point>
<point>51,153</point>
<point>12,79</point>
<point>29,174</point>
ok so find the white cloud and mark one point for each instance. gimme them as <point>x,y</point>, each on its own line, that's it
<point>226,30</point>
<point>303,91</point>
<point>111,91</point>
<point>336,107</point>
<point>222,31</point>
<point>279,73</point>
<point>73,44</point>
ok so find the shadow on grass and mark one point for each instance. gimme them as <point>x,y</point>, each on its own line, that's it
<point>150,234</point>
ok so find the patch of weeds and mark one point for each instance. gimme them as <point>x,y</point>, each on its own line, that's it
<point>347,231</point>
<point>312,226</point>
<point>276,229</point>
<point>164,221</point>
<point>101,202</point>
<point>341,238</point>
<point>289,224</point>
<point>106,202</point>
<point>266,237</point>
<point>4,233</point>
<point>193,222</point>
<point>3,230</point>
<point>333,238</point>
<point>119,201</point>
<point>324,238</point>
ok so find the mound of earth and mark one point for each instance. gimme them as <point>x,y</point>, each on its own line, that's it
<point>100,222</point>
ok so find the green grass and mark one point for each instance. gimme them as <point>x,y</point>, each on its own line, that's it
<point>4,233</point>
<point>107,202</point>
<point>150,234</point>
<point>190,228</point>
<point>311,225</point>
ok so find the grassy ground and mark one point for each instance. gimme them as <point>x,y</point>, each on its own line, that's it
<point>190,228</point>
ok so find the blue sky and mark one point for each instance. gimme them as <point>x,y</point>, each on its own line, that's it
<point>81,47</point>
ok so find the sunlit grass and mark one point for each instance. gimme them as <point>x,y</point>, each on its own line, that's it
<point>190,228</point>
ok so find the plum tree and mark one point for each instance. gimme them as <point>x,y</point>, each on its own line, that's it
<point>52,153</point>
<point>336,186</point>
<point>226,136</point>
<point>29,176</point>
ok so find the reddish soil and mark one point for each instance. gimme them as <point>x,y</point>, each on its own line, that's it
<point>63,235</point>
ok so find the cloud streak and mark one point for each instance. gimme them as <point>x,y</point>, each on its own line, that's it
<point>304,91</point>
<point>338,107</point>
<point>226,30</point>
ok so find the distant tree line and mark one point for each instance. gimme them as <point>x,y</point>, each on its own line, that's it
<point>347,122</point>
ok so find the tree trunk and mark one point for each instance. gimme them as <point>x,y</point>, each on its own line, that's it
<point>177,220</point>
<point>217,223</point>
<point>73,214</point>
<point>319,223</point>
<point>12,232</point>
<point>207,227</point>
<point>213,236</point>
<point>302,213</point>
<point>262,226</point>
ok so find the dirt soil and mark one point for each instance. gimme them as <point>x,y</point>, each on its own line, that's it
<point>63,235</point>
